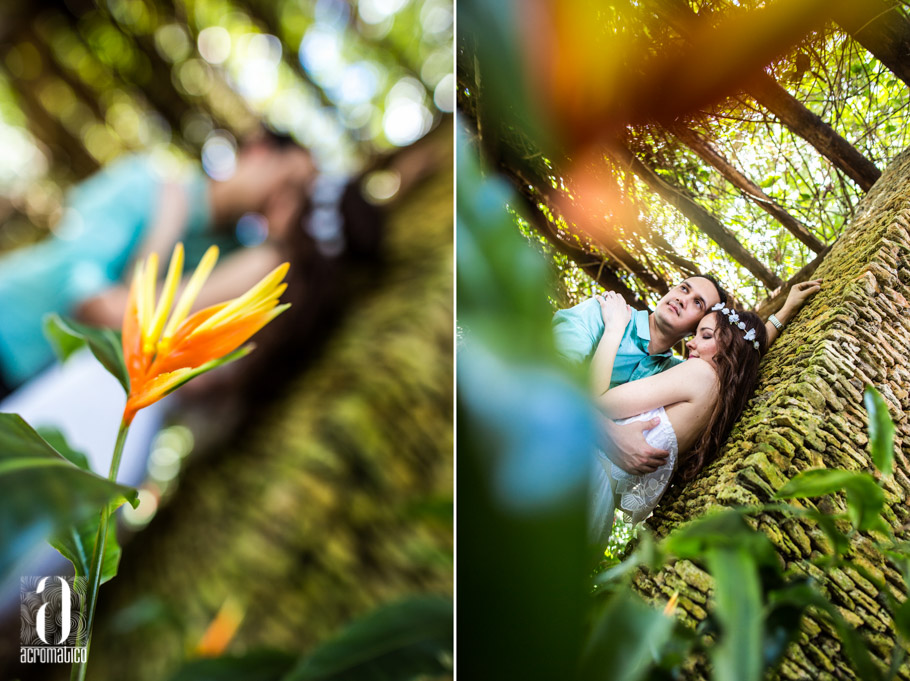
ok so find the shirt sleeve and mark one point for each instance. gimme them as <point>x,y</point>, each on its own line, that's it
<point>577,330</point>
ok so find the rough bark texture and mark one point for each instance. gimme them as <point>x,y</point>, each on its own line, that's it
<point>808,413</point>
<point>337,500</point>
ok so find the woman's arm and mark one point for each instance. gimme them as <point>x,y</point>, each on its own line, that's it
<point>616,315</point>
<point>797,297</point>
<point>681,383</point>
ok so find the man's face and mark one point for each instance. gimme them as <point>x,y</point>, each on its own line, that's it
<point>264,172</point>
<point>679,312</point>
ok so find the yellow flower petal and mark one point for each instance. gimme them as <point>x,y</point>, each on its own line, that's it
<point>146,301</point>
<point>252,298</point>
<point>174,272</point>
<point>188,297</point>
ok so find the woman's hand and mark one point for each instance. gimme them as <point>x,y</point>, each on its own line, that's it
<point>796,298</point>
<point>799,293</point>
<point>616,314</point>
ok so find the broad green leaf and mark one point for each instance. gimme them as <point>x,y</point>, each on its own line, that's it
<point>77,543</point>
<point>627,640</point>
<point>66,336</point>
<point>404,640</point>
<point>815,483</point>
<point>865,499</point>
<point>260,665</point>
<point>737,656</point>
<point>726,529</point>
<point>43,491</point>
<point>881,431</point>
<point>57,440</point>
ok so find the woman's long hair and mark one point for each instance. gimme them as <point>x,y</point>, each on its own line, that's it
<point>736,361</point>
<point>320,289</point>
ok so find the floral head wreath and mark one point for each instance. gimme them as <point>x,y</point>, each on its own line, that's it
<point>749,334</point>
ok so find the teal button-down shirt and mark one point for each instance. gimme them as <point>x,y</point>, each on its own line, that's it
<point>578,330</point>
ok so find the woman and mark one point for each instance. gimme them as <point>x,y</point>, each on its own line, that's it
<point>697,402</point>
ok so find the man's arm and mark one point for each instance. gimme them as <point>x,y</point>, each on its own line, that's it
<point>625,446</point>
<point>577,330</point>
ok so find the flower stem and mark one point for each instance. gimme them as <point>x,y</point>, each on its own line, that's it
<point>94,576</point>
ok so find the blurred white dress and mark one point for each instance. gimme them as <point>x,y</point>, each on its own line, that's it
<point>635,495</point>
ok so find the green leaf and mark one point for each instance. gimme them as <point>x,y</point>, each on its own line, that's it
<point>865,499</point>
<point>403,640</point>
<point>77,543</point>
<point>726,529</point>
<point>881,431</point>
<point>738,654</point>
<point>627,640</point>
<point>260,665</point>
<point>43,491</point>
<point>67,336</point>
<point>815,483</point>
<point>57,440</point>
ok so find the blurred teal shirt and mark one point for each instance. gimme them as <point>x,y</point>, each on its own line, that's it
<point>578,329</point>
<point>106,220</point>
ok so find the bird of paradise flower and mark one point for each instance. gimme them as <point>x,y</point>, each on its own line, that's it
<point>164,347</point>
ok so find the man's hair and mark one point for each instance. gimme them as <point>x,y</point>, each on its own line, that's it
<point>724,297</point>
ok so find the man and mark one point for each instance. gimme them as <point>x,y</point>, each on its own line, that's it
<point>645,350</point>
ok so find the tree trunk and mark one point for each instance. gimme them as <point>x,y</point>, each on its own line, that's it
<point>808,413</point>
<point>882,28</point>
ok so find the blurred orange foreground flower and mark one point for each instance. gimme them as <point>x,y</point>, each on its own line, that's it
<point>163,348</point>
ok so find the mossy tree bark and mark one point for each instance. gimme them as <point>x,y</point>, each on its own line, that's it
<point>808,412</point>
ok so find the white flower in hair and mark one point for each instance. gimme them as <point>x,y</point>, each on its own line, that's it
<point>718,306</point>
<point>734,318</point>
<point>750,335</point>
<point>755,343</point>
<point>742,326</point>
<point>725,311</point>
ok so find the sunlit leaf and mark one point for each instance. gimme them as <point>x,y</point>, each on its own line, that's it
<point>881,430</point>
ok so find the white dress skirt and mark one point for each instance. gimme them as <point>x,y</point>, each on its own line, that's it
<point>635,495</point>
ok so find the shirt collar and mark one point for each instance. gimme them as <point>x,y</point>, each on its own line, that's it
<point>641,332</point>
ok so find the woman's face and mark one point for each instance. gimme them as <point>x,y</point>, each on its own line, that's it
<point>702,345</point>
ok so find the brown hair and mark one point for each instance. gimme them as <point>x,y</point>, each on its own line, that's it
<point>736,361</point>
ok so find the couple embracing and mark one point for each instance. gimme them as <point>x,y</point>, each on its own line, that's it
<point>665,418</point>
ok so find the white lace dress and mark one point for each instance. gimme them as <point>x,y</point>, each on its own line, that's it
<point>635,495</point>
